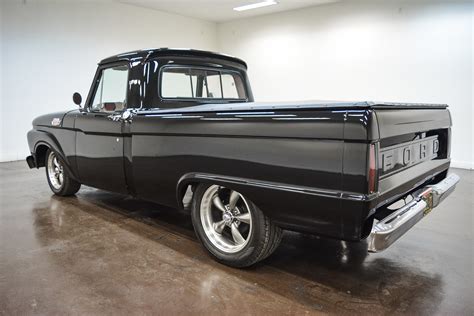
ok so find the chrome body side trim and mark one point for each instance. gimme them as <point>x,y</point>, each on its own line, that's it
<point>280,186</point>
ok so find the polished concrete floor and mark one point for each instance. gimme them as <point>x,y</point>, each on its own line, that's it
<point>103,253</point>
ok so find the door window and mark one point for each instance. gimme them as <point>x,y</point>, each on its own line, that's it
<point>111,92</point>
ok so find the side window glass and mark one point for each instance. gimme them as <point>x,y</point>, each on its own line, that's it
<point>177,83</point>
<point>111,93</point>
<point>232,86</point>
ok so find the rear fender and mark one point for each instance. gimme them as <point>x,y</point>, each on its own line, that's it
<point>292,207</point>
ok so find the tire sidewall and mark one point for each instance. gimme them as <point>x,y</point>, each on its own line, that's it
<point>234,259</point>
<point>65,176</point>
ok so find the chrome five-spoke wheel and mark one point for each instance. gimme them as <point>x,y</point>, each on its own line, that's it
<point>55,171</point>
<point>226,218</point>
<point>231,227</point>
<point>58,177</point>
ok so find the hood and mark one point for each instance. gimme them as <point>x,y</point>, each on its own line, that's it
<point>52,119</point>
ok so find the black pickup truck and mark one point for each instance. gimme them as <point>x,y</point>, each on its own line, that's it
<point>160,122</point>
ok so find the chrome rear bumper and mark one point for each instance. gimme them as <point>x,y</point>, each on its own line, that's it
<point>386,231</point>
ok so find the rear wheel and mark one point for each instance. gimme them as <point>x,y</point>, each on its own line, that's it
<point>231,227</point>
<point>58,178</point>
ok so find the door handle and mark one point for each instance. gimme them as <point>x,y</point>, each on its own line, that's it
<point>126,116</point>
<point>115,117</point>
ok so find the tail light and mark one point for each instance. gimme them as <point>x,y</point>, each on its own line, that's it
<point>372,180</point>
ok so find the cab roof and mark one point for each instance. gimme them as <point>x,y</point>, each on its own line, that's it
<point>156,52</point>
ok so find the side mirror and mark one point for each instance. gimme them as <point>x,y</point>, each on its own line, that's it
<point>76,97</point>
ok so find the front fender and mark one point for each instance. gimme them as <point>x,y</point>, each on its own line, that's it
<point>38,138</point>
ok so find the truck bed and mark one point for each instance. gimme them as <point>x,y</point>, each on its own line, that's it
<point>316,153</point>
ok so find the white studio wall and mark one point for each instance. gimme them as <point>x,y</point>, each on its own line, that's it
<point>50,49</point>
<point>354,50</point>
<point>1,83</point>
<point>414,51</point>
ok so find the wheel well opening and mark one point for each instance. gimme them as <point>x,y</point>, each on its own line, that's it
<point>41,151</point>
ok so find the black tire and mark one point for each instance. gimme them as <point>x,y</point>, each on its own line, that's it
<point>68,186</point>
<point>264,238</point>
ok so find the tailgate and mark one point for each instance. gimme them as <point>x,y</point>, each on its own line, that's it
<point>414,148</point>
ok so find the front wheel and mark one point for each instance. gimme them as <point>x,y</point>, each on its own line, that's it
<point>231,227</point>
<point>58,178</point>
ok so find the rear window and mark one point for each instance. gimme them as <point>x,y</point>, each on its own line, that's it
<point>199,83</point>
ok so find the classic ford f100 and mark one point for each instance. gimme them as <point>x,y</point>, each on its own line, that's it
<point>162,122</point>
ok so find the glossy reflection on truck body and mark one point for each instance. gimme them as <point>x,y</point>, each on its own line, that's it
<point>304,164</point>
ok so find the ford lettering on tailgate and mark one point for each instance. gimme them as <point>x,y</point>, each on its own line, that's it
<point>402,156</point>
